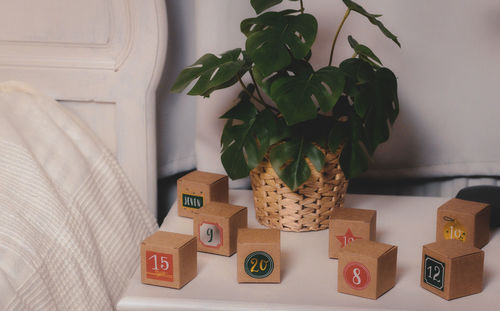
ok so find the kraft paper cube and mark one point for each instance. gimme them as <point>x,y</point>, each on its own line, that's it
<point>349,224</point>
<point>198,188</point>
<point>452,269</point>
<point>168,259</point>
<point>367,268</point>
<point>465,221</point>
<point>216,227</point>
<point>259,254</point>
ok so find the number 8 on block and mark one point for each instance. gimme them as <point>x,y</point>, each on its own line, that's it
<point>367,268</point>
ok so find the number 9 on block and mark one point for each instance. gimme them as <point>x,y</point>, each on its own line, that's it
<point>216,227</point>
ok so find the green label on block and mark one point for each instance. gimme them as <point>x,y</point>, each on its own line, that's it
<point>434,272</point>
<point>192,201</point>
<point>259,265</point>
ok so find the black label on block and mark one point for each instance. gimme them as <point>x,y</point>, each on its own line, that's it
<point>192,201</point>
<point>259,265</point>
<point>434,272</point>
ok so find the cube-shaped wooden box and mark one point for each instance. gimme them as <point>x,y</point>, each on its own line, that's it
<point>216,227</point>
<point>168,259</point>
<point>259,253</point>
<point>349,224</point>
<point>452,269</point>
<point>196,189</point>
<point>367,268</point>
<point>465,221</point>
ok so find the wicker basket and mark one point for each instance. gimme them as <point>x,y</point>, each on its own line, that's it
<point>309,207</point>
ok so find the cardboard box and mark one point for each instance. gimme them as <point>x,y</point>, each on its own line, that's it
<point>349,224</point>
<point>259,254</point>
<point>198,188</point>
<point>367,268</point>
<point>216,227</point>
<point>465,221</point>
<point>452,269</point>
<point>168,259</point>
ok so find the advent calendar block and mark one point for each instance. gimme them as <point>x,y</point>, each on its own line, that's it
<point>168,259</point>
<point>349,224</point>
<point>465,221</point>
<point>198,188</point>
<point>452,269</point>
<point>259,253</point>
<point>216,226</point>
<point>367,268</point>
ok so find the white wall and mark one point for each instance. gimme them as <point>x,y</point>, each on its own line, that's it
<point>176,113</point>
<point>448,73</point>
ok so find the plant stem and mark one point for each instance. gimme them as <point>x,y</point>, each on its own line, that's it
<point>337,34</point>
<point>261,101</point>
<point>301,7</point>
<point>256,87</point>
<point>246,90</point>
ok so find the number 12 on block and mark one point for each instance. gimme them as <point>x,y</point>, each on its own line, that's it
<point>434,272</point>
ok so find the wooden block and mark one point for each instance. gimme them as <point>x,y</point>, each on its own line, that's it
<point>216,227</point>
<point>465,221</point>
<point>259,254</point>
<point>452,269</point>
<point>349,224</point>
<point>168,259</point>
<point>198,188</point>
<point>367,268</point>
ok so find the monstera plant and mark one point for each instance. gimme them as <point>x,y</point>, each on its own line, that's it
<point>291,111</point>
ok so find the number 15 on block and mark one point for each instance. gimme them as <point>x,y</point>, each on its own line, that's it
<point>159,266</point>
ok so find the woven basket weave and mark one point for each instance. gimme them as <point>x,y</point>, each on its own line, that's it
<point>309,207</point>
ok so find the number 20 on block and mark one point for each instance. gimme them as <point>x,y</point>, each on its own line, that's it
<point>168,259</point>
<point>259,256</point>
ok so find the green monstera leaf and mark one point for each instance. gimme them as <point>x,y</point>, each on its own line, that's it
<point>372,18</point>
<point>354,157</point>
<point>373,92</point>
<point>364,52</point>
<point>387,92</point>
<point>385,108</point>
<point>288,160</point>
<point>212,73</point>
<point>274,37</point>
<point>261,5</point>
<point>244,143</point>
<point>298,95</point>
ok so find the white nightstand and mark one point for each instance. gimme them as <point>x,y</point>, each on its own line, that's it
<point>309,277</point>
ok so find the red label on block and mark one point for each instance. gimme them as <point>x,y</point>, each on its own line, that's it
<point>347,238</point>
<point>356,275</point>
<point>159,266</point>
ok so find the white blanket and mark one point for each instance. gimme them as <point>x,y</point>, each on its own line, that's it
<point>70,222</point>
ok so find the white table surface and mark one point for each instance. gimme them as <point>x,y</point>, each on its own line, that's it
<point>309,277</point>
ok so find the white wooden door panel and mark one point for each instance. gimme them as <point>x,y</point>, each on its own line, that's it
<point>103,60</point>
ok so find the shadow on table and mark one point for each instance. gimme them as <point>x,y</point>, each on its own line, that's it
<point>284,262</point>
<point>401,270</point>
